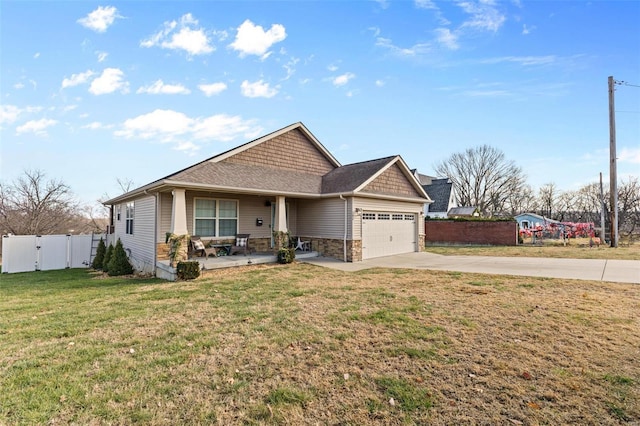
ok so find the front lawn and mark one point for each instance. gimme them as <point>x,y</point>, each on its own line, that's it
<point>299,344</point>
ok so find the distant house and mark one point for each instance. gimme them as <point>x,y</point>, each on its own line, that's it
<point>440,191</point>
<point>463,212</point>
<point>533,221</point>
<point>286,181</point>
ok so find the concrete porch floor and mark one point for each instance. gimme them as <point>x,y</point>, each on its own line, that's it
<point>229,261</point>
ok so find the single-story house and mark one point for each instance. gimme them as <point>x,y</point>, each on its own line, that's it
<point>533,221</point>
<point>286,181</point>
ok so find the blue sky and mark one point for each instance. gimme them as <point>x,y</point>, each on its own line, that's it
<point>92,92</point>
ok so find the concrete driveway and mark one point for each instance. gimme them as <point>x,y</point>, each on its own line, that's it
<point>622,271</point>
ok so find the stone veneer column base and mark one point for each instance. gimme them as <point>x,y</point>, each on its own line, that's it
<point>331,247</point>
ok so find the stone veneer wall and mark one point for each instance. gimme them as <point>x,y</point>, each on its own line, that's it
<point>335,248</point>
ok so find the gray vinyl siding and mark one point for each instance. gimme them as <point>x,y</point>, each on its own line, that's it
<point>164,216</point>
<point>323,218</point>
<point>372,204</point>
<point>250,208</point>
<point>141,243</point>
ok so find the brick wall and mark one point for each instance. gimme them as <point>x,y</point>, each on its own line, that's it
<point>472,232</point>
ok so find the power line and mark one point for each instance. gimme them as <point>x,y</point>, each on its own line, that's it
<point>625,83</point>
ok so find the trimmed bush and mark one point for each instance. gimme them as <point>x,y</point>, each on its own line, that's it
<point>100,252</point>
<point>286,255</point>
<point>119,263</point>
<point>107,258</point>
<point>188,270</point>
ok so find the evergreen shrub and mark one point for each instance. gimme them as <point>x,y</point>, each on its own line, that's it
<point>100,252</point>
<point>119,263</point>
<point>107,258</point>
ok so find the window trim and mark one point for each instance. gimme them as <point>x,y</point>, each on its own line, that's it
<point>130,214</point>
<point>216,216</point>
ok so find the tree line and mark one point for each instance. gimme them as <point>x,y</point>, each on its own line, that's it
<point>483,177</point>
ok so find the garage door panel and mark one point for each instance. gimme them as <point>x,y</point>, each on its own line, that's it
<point>385,234</point>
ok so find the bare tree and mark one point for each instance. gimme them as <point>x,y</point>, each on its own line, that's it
<point>523,201</point>
<point>547,195</point>
<point>483,178</point>
<point>31,205</point>
<point>629,206</point>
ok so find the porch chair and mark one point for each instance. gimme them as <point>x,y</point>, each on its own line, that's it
<point>241,245</point>
<point>303,245</point>
<point>198,246</point>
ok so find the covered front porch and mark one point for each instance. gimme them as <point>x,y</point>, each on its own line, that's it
<point>165,271</point>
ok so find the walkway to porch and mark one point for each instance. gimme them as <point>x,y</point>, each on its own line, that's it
<point>165,271</point>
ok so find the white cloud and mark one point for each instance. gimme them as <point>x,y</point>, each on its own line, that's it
<point>484,15</point>
<point>100,19</point>
<point>259,89</point>
<point>38,127</point>
<point>415,50</point>
<point>110,80</point>
<point>184,35</point>
<point>173,126</point>
<point>290,67</point>
<point>380,83</point>
<point>223,127</point>
<point>332,68</point>
<point>94,126</point>
<point>629,155</point>
<point>9,113</point>
<point>159,88</point>
<point>425,4</point>
<point>254,40</point>
<point>188,147</point>
<point>213,88</point>
<point>527,30</point>
<point>18,86</point>
<point>77,79</point>
<point>447,38</point>
<point>522,60</point>
<point>102,56</point>
<point>343,79</point>
<point>163,124</point>
<point>36,55</point>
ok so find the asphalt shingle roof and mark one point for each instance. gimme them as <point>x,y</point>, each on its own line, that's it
<point>233,175</point>
<point>440,192</point>
<point>349,177</point>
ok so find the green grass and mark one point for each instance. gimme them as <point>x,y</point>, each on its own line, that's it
<point>299,344</point>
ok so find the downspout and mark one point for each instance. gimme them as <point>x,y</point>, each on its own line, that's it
<point>344,239</point>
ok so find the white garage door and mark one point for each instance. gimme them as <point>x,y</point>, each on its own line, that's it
<point>388,233</point>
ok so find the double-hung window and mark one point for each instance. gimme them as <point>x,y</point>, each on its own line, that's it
<point>215,217</point>
<point>129,213</point>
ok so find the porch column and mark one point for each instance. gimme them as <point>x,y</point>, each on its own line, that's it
<point>281,214</point>
<point>179,212</point>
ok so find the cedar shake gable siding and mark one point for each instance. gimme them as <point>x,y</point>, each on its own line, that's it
<point>392,181</point>
<point>290,151</point>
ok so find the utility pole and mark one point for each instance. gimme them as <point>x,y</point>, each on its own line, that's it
<point>602,232</point>
<point>613,167</point>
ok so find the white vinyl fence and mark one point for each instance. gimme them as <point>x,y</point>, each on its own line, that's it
<point>23,253</point>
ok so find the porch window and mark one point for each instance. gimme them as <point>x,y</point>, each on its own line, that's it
<point>215,218</point>
<point>129,212</point>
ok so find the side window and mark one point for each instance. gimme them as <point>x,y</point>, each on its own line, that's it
<point>129,214</point>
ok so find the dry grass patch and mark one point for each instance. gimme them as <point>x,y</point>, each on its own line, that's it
<point>299,344</point>
<point>576,249</point>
